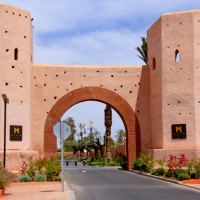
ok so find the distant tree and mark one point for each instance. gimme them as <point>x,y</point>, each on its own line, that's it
<point>89,144</point>
<point>91,136</point>
<point>94,141</point>
<point>113,143</point>
<point>71,122</point>
<point>81,146</point>
<point>143,50</point>
<point>120,135</point>
<point>99,143</point>
<point>81,126</point>
<point>71,144</point>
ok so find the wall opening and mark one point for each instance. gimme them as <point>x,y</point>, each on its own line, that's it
<point>177,56</point>
<point>83,113</point>
<point>16,54</point>
<point>153,63</point>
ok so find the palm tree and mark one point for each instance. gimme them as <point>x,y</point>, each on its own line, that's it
<point>91,136</point>
<point>71,122</point>
<point>120,135</point>
<point>81,126</point>
<point>143,50</point>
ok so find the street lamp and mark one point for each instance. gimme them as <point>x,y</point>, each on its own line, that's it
<point>104,144</point>
<point>5,99</point>
<point>78,147</point>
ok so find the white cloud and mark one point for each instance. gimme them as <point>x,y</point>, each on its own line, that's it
<point>59,15</point>
<point>94,31</point>
<point>106,47</point>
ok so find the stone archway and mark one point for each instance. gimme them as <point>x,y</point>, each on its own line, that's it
<point>97,94</point>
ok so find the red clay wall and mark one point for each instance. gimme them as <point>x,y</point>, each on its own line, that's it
<point>119,149</point>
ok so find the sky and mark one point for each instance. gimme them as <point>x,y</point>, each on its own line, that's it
<point>100,32</point>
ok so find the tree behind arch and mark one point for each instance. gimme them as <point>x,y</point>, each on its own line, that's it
<point>81,126</point>
<point>71,122</point>
<point>120,135</point>
<point>143,50</point>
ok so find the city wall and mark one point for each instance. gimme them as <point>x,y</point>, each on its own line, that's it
<point>163,93</point>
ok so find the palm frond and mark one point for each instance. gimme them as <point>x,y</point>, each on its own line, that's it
<point>143,50</point>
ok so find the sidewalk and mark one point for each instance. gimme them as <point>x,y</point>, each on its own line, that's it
<point>36,191</point>
<point>193,183</point>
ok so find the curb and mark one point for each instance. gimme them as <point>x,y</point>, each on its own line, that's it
<point>71,192</point>
<point>163,179</point>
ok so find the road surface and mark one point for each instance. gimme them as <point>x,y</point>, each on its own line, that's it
<point>104,183</point>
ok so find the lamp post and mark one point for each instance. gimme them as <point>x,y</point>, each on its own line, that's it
<point>78,147</point>
<point>104,146</point>
<point>5,99</point>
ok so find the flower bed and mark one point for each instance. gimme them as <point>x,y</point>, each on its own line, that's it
<point>177,168</point>
<point>40,170</point>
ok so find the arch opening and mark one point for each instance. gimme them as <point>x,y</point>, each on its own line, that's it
<point>80,116</point>
<point>87,111</point>
<point>106,96</point>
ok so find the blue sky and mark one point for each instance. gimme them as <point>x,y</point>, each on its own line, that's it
<point>94,31</point>
<point>102,32</point>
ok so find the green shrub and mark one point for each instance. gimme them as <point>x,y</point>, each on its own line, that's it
<point>143,163</point>
<point>121,159</point>
<point>190,166</point>
<point>56,178</point>
<point>168,173</point>
<point>177,172</point>
<point>162,162</point>
<point>123,164</point>
<point>153,171</point>
<point>88,161</point>
<point>145,167</point>
<point>40,164</point>
<point>197,174</point>
<point>192,174</point>
<point>31,169</point>
<point>138,164</point>
<point>94,163</point>
<point>97,163</point>
<point>24,178</point>
<point>52,168</point>
<point>160,171</point>
<point>98,159</point>
<point>197,166</point>
<point>183,176</point>
<point>112,163</point>
<point>6,178</point>
<point>40,178</point>
<point>82,159</point>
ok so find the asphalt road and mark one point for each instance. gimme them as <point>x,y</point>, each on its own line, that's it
<point>103,183</point>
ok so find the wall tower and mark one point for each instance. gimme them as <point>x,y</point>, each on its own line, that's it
<point>15,71</point>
